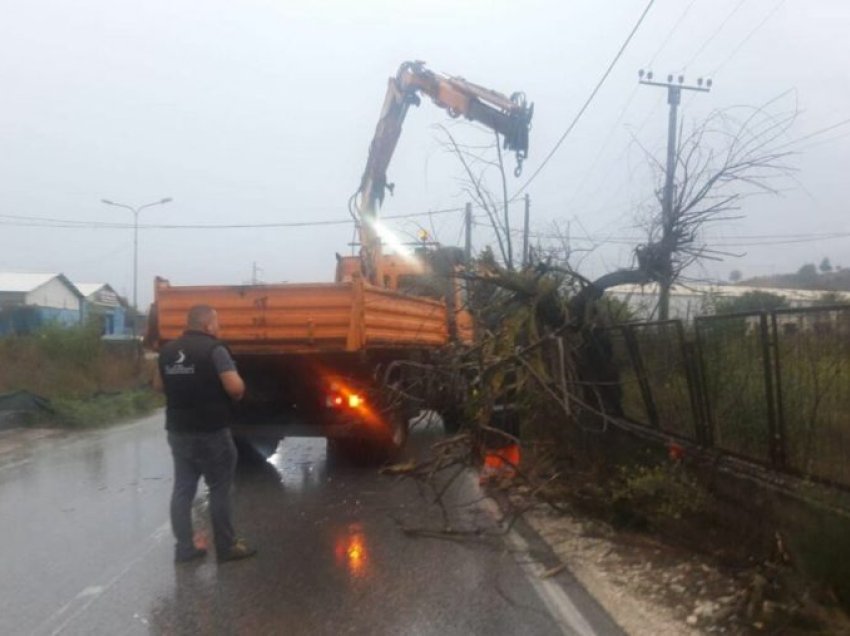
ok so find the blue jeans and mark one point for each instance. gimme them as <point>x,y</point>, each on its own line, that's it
<point>212,455</point>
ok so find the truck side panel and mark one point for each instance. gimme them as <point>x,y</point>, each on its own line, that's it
<point>308,318</point>
<point>265,319</point>
<point>391,319</point>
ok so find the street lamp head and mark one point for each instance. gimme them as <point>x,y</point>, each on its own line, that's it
<point>107,202</point>
<point>167,200</point>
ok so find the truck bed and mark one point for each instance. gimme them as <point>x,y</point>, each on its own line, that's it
<point>314,317</point>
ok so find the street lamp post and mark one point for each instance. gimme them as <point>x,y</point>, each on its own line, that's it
<point>135,211</point>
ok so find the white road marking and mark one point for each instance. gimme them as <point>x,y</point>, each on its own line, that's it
<point>554,597</point>
<point>88,595</point>
<point>9,466</point>
<point>556,600</point>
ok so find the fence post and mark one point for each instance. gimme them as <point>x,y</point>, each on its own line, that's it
<point>562,374</point>
<point>773,446</point>
<point>779,432</point>
<point>640,372</point>
<point>689,358</point>
<point>708,416</point>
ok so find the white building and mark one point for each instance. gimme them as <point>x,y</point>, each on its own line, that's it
<point>30,300</point>
<point>696,299</point>
<point>104,302</point>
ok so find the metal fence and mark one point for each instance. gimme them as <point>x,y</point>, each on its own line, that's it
<point>770,387</point>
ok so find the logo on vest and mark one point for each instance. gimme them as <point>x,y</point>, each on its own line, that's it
<point>178,368</point>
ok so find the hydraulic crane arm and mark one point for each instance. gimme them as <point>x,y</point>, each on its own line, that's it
<point>508,116</point>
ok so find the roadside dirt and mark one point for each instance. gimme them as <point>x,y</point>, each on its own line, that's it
<point>653,589</point>
<point>649,588</point>
<point>17,443</point>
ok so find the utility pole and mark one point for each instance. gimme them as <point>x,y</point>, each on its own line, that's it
<point>525,231</point>
<point>674,97</point>
<point>467,219</point>
<point>255,279</point>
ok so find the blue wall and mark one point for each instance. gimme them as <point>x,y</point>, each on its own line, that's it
<point>23,320</point>
<point>113,320</point>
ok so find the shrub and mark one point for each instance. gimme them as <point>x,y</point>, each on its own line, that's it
<point>104,409</point>
<point>654,494</point>
<point>751,301</point>
<point>66,362</point>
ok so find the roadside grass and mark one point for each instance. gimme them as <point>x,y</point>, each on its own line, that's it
<point>88,382</point>
<point>104,409</point>
<point>813,392</point>
<point>809,365</point>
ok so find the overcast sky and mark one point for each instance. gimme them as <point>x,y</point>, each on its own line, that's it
<point>261,111</point>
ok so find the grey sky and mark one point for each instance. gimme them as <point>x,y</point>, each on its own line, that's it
<point>262,111</point>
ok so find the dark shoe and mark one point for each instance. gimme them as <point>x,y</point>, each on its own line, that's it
<point>239,550</point>
<point>185,557</point>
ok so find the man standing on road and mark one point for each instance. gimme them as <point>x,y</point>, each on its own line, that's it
<point>201,382</point>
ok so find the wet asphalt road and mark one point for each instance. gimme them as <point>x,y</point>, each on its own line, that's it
<point>86,548</point>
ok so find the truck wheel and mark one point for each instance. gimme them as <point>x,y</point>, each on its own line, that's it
<point>372,450</point>
<point>391,446</point>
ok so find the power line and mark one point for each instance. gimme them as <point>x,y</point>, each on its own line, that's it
<point>42,221</point>
<point>820,131</point>
<point>736,240</point>
<point>828,140</point>
<point>630,99</point>
<point>748,36</point>
<point>586,103</point>
<point>837,235</point>
<point>613,129</point>
<point>670,34</point>
<point>715,33</point>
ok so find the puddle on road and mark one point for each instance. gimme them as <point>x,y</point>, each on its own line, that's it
<point>351,552</point>
<point>301,463</point>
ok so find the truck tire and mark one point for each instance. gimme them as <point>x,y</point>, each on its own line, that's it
<point>393,445</point>
<point>372,450</point>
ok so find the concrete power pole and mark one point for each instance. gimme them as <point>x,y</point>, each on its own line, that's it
<point>255,273</point>
<point>674,96</point>
<point>525,254</point>
<point>467,219</point>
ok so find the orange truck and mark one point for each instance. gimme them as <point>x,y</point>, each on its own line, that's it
<point>348,360</point>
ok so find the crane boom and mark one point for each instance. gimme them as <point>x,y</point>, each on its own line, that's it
<point>508,116</point>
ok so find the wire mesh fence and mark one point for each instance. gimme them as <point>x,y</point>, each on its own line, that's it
<point>733,356</point>
<point>632,399</point>
<point>773,387</point>
<point>812,367</point>
<point>661,348</point>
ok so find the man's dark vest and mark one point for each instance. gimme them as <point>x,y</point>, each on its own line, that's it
<point>195,398</point>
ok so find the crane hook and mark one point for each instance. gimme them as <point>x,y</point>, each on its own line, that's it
<point>518,169</point>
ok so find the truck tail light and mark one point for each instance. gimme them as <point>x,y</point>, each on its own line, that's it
<point>350,400</point>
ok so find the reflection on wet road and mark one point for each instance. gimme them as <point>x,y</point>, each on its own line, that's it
<point>86,549</point>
